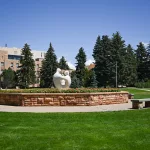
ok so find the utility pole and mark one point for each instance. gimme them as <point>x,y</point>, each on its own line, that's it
<point>116,75</point>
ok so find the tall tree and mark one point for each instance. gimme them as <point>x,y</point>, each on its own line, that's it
<point>74,80</point>
<point>130,74</point>
<point>8,76</point>
<point>148,61</point>
<point>80,68</point>
<point>26,74</point>
<point>148,50</point>
<point>63,64</point>
<point>93,81</point>
<point>102,54</point>
<point>49,66</point>
<point>142,59</point>
<point>119,52</point>
<point>97,55</point>
<point>87,77</point>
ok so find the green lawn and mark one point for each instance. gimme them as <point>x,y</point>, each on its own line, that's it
<point>138,93</point>
<point>124,130</point>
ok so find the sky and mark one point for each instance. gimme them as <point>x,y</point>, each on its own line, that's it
<point>71,24</point>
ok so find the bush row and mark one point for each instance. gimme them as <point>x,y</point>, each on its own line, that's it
<point>143,84</point>
<point>54,90</point>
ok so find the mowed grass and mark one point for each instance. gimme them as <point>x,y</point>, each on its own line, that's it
<point>124,130</point>
<point>138,93</point>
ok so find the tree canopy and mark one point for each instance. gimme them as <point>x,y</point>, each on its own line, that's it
<point>49,66</point>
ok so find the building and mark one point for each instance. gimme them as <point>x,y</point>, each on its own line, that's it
<point>10,57</point>
<point>91,66</point>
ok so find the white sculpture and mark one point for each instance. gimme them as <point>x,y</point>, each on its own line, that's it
<point>61,81</point>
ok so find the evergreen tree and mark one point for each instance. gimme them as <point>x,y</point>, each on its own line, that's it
<point>130,74</point>
<point>74,80</point>
<point>63,64</point>
<point>148,61</point>
<point>142,61</point>
<point>26,74</point>
<point>80,68</point>
<point>87,77</point>
<point>148,51</point>
<point>49,66</point>
<point>119,52</point>
<point>97,55</point>
<point>8,78</point>
<point>102,54</point>
<point>93,81</point>
<point>97,49</point>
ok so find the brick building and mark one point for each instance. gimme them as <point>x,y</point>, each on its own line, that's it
<point>10,57</point>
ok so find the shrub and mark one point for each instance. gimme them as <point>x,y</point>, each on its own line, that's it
<point>143,84</point>
<point>54,90</point>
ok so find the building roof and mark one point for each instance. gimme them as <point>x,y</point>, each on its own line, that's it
<point>17,51</point>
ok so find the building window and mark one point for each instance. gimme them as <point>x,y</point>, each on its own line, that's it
<point>11,65</point>
<point>16,57</point>
<point>17,65</point>
<point>2,63</point>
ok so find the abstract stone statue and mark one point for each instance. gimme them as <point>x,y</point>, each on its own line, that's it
<point>61,81</point>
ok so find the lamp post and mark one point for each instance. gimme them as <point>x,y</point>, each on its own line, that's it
<point>116,65</point>
<point>116,75</point>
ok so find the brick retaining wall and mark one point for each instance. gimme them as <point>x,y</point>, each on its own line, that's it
<point>63,99</point>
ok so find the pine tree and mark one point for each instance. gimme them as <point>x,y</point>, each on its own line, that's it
<point>26,74</point>
<point>148,61</point>
<point>74,80</point>
<point>102,54</point>
<point>119,52</point>
<point>142,59</point>
<point>87,77</point>
<point>97,55</point>
<point>97,49</point>
<point>8,78</point>
<point>63,64</point>
<point>148,51</point>
<point>80,68</point>
<point>130,74</point>
<point>93,81</point>
<point>49,66</point>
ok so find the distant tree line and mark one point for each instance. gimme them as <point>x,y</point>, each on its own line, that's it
<point>113,60</point>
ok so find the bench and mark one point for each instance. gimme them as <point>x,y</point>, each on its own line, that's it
<point>138,103</point>
<point>131,96</point>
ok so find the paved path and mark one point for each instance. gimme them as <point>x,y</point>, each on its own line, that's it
<point>113,107</point>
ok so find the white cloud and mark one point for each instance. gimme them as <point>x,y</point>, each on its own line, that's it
<point>71,66</point>
<point>145,44</point>
<point>88,62</point>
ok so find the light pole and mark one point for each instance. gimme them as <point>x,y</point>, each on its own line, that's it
<point>116,65</point>
<point>116,75</point>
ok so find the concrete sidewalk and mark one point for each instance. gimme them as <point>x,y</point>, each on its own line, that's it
<point>99,108</point>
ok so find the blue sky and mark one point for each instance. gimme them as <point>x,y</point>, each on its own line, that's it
<point>71,24</point>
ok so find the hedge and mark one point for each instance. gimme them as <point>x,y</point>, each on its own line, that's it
<point>54,90</point>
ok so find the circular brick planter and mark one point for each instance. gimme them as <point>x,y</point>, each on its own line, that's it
<point>63,99</point>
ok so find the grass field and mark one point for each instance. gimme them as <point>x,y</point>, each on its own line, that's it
<point>124,130</point>
<point>138,93</point>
